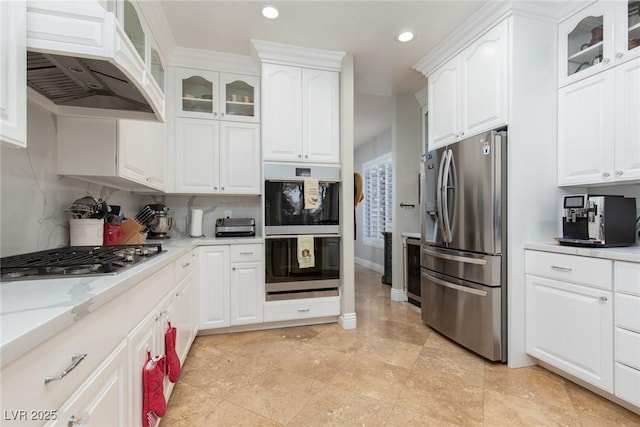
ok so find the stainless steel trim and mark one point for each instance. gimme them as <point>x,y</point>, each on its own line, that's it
<point>455,257</point>
<point>454,286</point>
<point>302,295</point>
<point>302,285</point>
<point>294,230</point>
<point>556,267</point>
<point>75,361</point>
<point>293,236</point>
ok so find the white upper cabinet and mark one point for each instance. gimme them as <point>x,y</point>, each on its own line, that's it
<point>469,93</point>
<point>198,94</point>
<point>320,116</point>
<point>13,91</point>
<point>239,98</point>
<point>282,115</point>
<point>585,131</point>
<point>483,88</point>
<point>301,114</point>
<point>627,121</point>
<point>602,35</point>
<point>598,127</point>
<point>217,157</point>
<point>212,95</point>
<point>125,154</point>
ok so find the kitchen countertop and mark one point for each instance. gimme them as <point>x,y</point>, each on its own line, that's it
<point>32,311</point>
<point>411,235</point>
<point>627,253</point>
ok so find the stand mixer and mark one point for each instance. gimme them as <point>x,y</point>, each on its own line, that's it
<point>161,222</point>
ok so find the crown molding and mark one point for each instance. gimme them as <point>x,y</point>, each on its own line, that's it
<point>211,60</point>
<point>281,53</point>
<point>421,96</point>
<point>488,16</point>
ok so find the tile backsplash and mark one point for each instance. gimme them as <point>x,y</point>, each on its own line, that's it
<point>33,197</point>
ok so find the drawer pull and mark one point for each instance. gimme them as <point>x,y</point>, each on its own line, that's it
<point>163,313</point>
<point>565,269</point>
<point>186,265</point>
<point>246,253</point>
<point>603,299</point>
<point>83,420</point>
<point>179,294</point>
<point>303,310</point>
<point>75,361</point>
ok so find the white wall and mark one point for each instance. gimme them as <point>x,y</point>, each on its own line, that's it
<point>369,256</point>
<point>406,130</point>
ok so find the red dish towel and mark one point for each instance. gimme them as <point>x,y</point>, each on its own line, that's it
<point>154,405</point>
<point>173,361</point>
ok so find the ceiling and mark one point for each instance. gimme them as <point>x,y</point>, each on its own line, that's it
<point>365,29</point>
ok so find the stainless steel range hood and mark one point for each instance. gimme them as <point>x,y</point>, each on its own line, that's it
<point>81,62</point>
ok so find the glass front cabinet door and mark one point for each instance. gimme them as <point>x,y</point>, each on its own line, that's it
<point>239,98</point>
<point>627,24</point>
<point>586,42</point>
<point>198,94</point>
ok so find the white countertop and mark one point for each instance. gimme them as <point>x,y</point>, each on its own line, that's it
<point>32,311</point>
<point>627,253</point>
<point>411,235</point>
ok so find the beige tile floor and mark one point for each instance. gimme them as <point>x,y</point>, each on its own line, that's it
<point>390,371</point>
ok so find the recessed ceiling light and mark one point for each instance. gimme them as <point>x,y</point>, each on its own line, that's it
<point>405,37</point>
<point>270,12</point>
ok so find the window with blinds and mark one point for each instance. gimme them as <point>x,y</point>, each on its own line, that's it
<point>377,218</point>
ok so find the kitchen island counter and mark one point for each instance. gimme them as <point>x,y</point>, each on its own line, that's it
<point>32,311</point>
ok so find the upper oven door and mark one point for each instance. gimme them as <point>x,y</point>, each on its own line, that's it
<point>285,208</point>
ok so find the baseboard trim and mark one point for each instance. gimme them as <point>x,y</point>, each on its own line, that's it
<point>372,265</point>
<point>398,295</point>
<point>348,321</point>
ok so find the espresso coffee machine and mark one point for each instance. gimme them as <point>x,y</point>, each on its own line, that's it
<point>161,222</point>
<point>598,221</point>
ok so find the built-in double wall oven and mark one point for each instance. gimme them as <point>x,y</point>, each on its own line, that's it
<point>302,231</point>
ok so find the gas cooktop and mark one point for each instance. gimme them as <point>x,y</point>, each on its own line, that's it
<point>75,261</point>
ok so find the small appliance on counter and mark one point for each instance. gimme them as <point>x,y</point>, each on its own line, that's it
<point>160,225</point>
<point>598,221</point>
<point>235,227</point>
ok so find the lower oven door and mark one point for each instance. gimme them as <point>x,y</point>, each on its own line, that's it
<point>289,277</point>
<point>468,313</point>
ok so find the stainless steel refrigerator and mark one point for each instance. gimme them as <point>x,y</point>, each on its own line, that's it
<point>463,243</point>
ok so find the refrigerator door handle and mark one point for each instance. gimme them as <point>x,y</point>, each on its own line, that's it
<point>439,196</point>
<point>465,259</point>
<point>444,196</point>
<point>454,286</point>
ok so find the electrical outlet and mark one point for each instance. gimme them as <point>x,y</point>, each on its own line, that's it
<point>228,213</point>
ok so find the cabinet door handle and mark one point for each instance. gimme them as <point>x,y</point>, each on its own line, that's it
<point>221,114</point>
<point>215,114</point>
<point>619,55</point>
<point>603,299</point>
<point>215,188</point>
<point>619,173</point>
<point>179,294</point>
<point>558,268</point>
<point>222,188</point>
<point>163,313</point>
<point>185,265</point>
<point>75,361</point>
<point>299,156</point>
<point>82,420</point>
<point>605,60</point>
<point>606,174</point>
<point>303,310</point>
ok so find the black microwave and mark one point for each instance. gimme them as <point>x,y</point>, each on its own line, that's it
<point>284,204</point>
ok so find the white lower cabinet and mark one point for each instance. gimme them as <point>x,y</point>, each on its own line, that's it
<point>103,399</point>
<point>627,331</point>
<point>306,308</point>
<point>231,285</point>
<point>569,325</point>
<point>91,373</point>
